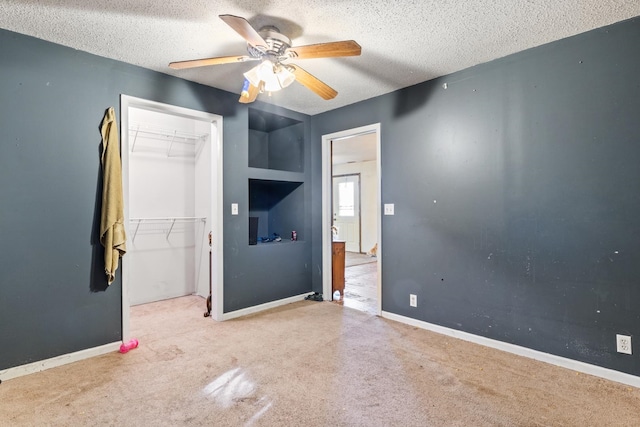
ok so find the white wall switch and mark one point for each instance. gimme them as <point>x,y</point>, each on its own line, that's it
<point>389,208</point>
<point>234,209</point>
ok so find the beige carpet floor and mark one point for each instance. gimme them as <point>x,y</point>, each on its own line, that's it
<point>307,364</point>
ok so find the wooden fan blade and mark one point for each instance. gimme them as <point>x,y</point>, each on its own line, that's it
<point>312,83</point>
<point>242,27</point>
<point>210,61</point>
<point>325,50</point>
<point>251,96</point>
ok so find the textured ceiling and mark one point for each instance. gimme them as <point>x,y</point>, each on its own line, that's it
<point>403,42</point>
<point>360,148</point>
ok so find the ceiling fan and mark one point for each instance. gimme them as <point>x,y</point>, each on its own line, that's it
<point>273,49</point>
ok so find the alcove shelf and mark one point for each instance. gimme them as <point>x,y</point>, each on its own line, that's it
<point>164,225</point>
<point>276,175</point>
<point>275,142</point>
<point>169,142</point>
<point>277,207</point>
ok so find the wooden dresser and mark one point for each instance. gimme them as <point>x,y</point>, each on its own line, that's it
<point>337,255</point>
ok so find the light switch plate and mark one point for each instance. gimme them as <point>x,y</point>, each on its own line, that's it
<point>234,209</point>
<point>389,208</point>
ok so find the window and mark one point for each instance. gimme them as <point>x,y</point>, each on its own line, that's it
<point>346,199</point>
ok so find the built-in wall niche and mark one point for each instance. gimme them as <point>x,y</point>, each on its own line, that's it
<point>275,142</point>
<point>278,207</point>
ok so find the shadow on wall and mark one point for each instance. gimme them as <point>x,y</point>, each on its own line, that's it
<point>408,99</point>
<point>413,98</point>
<point>206,98</point>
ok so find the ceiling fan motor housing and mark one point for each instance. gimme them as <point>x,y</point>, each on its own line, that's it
<point>277,43</point>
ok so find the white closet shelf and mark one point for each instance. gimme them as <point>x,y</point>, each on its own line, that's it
<point>167,221</point>
<point>171,142</point>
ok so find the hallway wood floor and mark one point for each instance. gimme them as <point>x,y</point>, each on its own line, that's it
<point>360,290</point>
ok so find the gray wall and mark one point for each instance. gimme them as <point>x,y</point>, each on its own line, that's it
<point>262,273</point>
<point>53,294</point>
<point>516,196</point>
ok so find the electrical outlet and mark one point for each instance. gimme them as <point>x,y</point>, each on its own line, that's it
<point>389,208</point>
<point>234,209</point>
<point>413,300</point>
<point>623,344</point>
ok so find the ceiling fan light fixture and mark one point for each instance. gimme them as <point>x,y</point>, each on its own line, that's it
<point>274,76</point>
<point>284,75</point>
<point>252,76</point>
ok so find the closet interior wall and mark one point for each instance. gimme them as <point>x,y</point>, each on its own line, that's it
<point>169,206</point>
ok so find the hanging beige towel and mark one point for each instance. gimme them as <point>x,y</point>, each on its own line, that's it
<point>112,234</point>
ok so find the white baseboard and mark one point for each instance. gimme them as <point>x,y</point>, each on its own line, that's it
<point>262,307</point>
<point>552,359</point>
<point>32,368</point>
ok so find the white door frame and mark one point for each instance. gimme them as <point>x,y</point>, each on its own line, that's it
<point>127,102</point>
<point>327,215</point>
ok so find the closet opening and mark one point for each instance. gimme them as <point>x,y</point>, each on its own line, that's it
<point>172,186</point>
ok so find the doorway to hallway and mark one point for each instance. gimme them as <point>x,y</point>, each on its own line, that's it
<point>351,213</point>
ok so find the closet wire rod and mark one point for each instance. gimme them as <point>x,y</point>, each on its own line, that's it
<point>172,220</point>
<point>173,138</point>
<point>182,136</point>
<point>135,137</point>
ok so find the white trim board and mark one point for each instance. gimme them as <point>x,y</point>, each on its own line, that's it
<point>263,307</point>
<point>41,365</point>
<point>552,359</point>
